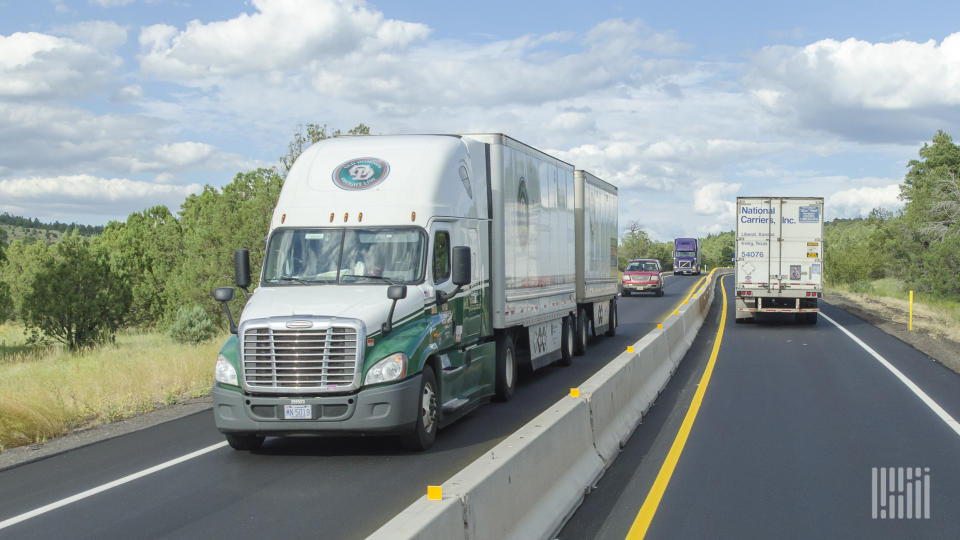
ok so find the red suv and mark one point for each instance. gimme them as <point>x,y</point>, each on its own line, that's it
<point>642,275</point>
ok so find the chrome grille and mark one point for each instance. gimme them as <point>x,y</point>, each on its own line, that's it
<point>319,359</point>
<point>685,264</point>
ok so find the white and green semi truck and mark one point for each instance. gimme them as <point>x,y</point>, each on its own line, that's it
<point>405,280</point>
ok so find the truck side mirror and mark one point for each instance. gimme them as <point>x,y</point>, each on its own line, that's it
<point>241,268</point>
<point>397,292</point>
<point>461,266</point>
<point>394,292</point>
<point>224,295</point>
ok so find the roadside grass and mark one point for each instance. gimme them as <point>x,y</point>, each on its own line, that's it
<point>941,314</point>
<point>48,393</point>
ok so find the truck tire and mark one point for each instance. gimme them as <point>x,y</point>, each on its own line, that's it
<point>566,345</point>
<point>580,343</point>
<point>506,376</point>
<point>425,430</point>
<point>239,441</point>
<point>613,320</point>
<point>660,291</point>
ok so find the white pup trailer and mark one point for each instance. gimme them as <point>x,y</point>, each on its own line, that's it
<point>597,273</point>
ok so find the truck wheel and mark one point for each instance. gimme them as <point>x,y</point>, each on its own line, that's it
<point>580,344</point>
<point>566,346</point>
<point>660,291</point>
<point>506,378</point>
<point>239,441</point>
<point>425,431</point>
<point>612,326</point>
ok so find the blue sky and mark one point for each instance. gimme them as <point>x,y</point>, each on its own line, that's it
<point>111,106</point>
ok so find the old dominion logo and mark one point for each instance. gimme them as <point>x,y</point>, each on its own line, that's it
<point>360,173</point>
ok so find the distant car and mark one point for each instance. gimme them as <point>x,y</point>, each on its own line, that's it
<point>642,275</point>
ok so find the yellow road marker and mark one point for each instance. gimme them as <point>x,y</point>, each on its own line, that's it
<point>645,516</point>
<point>630,348</point>
<point>660,327</point>
<point>434,493</point>
<point>574,392</point>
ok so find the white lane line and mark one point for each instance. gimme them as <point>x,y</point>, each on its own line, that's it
<point>110,485</point>
<point>927,400</point>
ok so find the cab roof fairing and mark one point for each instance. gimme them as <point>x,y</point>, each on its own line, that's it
<point>424,177</point>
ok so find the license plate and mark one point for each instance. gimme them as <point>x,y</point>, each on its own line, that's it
<point>297,412</point>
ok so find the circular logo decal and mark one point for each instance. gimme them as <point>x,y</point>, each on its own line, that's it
<point>360,173</point>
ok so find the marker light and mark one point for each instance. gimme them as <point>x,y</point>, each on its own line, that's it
<point>331,217</point>
<point>360,217</point>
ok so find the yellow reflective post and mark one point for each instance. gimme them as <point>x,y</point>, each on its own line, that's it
<point>910,324</point>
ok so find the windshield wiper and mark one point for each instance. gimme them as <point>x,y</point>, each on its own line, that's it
<point>368,276</point>
<point>291,278</point>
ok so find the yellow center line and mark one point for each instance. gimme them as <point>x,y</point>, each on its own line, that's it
<point>645,516</point>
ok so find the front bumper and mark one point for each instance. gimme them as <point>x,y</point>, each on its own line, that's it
<point>382,410</point>
<point>641,286</point>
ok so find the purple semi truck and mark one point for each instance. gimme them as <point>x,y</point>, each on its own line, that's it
<point>686,256</point>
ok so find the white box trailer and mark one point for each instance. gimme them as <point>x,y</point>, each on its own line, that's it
<point>596,209</point>
<point>405,278</point>
<point>779,257</point>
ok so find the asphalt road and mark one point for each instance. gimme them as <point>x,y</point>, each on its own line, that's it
<point>292,488</point>
<point>793,420</point>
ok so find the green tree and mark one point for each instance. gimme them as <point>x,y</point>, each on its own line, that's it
<point>24,259</point>
<point>145,251</point>
<point>717,249</point>
<point>75,298</point>
<point>6,301</point>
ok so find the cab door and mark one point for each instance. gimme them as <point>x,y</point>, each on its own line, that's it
<point>453,373</point>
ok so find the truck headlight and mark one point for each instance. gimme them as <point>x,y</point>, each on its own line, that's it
<point>656,277</point>
<point>225,372</point>
<point>390,368</point>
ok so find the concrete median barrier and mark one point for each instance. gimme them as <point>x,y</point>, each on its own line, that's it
<point>525,487</point>
<point>620,393</point>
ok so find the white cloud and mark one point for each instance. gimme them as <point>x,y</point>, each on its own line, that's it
<point>280,35</point>
<point>42,66</point>
<point>111,3</point>
<point>85,197</point>
<point>858,202</point>
<point>899,90</point>
<point>128,94</point>
<point>100,34</point>
<point>716,199</point>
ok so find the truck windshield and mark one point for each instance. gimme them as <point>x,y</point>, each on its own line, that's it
<point>326,256</point>
<point>686,254</point>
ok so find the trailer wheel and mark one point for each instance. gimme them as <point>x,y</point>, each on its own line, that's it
<point>425,430</point>
<point>506,378</point>
<point>580,344</point>
<point>612,320</point>
<point>567,345</point>
<point>239,441</point>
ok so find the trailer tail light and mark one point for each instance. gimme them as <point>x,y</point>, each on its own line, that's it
<point>813,294</point>
<point>746,293</point>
